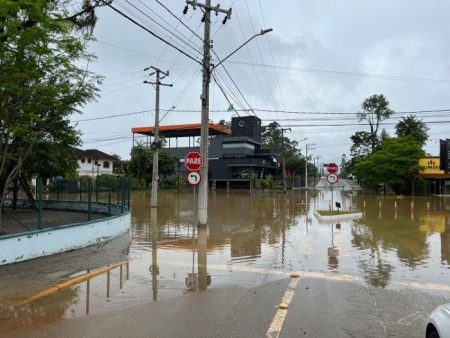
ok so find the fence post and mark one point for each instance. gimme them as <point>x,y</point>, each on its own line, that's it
<point>58,183</point>
<point>118,190</point>
<point>81,190</point>
<point>123,196</point>
<point>96,189</point>
<point>39,196</point>
<point>109,199</point>
<point>129,195</point>
<point>89,198</point>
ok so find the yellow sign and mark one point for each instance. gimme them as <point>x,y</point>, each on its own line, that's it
<point>430,165</point>
<point>432,223</point>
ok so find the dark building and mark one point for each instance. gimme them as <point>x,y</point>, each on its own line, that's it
<point>234,155</point>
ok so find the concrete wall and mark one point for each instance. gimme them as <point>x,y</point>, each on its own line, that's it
<point>38,243</point>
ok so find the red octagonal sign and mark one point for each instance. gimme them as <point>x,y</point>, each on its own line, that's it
<point>332,168</point>
<point>193,161</point>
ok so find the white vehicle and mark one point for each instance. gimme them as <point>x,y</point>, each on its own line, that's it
<point>439,322</point>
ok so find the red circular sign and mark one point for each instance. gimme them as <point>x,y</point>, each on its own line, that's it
<point>332,168</point>
<point>193,161</point>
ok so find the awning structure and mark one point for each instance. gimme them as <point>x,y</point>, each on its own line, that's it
<point>436,176</point>
<point>182,130</point>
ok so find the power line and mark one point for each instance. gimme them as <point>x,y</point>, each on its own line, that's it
<point>271,55</point>
<point>338,72</point>
<point>149,31</point>
<point>181,21</point>
<point>223,92</point>
<point>112,116</point>
<point>160,25</point>
<point>260,54</point>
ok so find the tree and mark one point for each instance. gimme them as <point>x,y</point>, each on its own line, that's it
<point>271,138</point>
<point>141,163</point>
<point>42,76</point>
<point>375,109</point>
<point>120,167</point>
<point>393,164</point>
<point>410,126</point>
<point>361,145</point>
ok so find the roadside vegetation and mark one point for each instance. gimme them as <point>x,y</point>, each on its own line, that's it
<point>44,80</point>
<point>383,162</point>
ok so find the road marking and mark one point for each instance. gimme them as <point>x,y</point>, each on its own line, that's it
<point>277,322</point>
<point>411,318</point>
<point>319,275</point>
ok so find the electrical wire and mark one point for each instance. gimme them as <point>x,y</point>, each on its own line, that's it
<point>113,116</point>
<point>171,33</point>
<point>149,31</point>
<point>271,55</point>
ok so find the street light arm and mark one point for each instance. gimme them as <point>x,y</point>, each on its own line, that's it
<point>254,36</point>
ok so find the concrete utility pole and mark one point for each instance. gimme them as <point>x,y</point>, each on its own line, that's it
<point>156,144</point>
<point>207,69</point>
<point>310,147</point>
<point>204,133</point>
<point>284,158</point>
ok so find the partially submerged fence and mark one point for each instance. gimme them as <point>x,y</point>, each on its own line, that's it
<point>110,199</point>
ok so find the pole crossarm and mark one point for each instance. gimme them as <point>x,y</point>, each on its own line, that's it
<point>216,8</point>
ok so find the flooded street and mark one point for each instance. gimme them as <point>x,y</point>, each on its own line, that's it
<point>251,241</point>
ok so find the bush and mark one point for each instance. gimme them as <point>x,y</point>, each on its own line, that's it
<point>268,182</point>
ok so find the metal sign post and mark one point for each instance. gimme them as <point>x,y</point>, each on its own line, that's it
<point>332,179</point>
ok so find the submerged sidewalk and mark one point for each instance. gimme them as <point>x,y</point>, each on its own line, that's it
<point>50,219</point>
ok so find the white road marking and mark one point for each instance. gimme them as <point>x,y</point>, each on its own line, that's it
<point>411,318</point>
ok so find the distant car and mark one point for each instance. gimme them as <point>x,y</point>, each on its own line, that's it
<point>438,325</point>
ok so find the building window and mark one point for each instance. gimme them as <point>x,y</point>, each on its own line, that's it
<point>83,160</point>
<point>89,160</point>
<point>106,164</point>
<point>238,145</point>
<point>96,162</point>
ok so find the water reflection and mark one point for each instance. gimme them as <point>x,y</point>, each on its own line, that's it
<point>250,239</point>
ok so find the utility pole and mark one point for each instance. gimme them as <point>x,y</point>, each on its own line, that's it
<point>156,144</point>
<point>284,158</point>
<point>310,147</point>
<point>315,167</point>
<point>204,132</point>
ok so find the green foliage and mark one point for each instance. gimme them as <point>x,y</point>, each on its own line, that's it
<point>180,181</point>
<point>421,187</point>
<point>414,128</point>
<point>361,145</point>
<point>141,164</point>
<point>268,182</point>
<point>271,138</point>
<point>255,181</point>
<point>375,109</point>
<point>393,164</point>
<point>44,79</point>
<point>120,167</point>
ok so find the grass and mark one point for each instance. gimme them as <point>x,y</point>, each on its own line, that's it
<point>334,212</point>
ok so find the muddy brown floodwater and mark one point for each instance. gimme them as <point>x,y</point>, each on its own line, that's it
<point>401,242</point>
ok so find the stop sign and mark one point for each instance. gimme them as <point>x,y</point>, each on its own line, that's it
<point>332,168</point>
<point>193,161</point>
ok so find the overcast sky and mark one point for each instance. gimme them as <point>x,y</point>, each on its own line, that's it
<point>322,56</point>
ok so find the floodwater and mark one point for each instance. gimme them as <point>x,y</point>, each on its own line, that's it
<point>251,239</point>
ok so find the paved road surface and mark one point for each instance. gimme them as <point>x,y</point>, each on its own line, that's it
<point>319,308</point>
